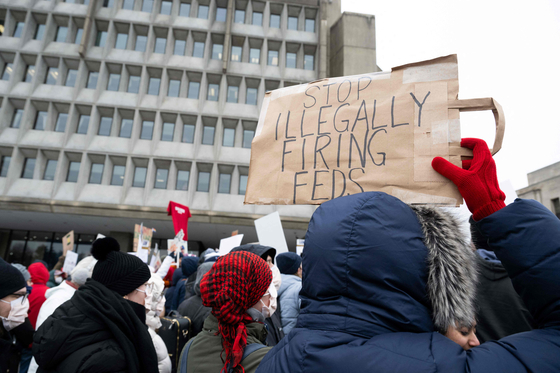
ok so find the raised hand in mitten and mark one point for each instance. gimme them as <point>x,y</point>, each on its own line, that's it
<point>477,181</point>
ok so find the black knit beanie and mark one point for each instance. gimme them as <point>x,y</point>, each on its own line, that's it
<point>120,272</point>
<point>11,279</point>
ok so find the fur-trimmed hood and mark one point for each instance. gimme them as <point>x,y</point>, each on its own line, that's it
<point>373,265</point>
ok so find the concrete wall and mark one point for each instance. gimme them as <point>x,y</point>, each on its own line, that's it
<point>544,186</point>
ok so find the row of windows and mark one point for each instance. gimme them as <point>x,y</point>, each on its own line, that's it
<point>118,175</point>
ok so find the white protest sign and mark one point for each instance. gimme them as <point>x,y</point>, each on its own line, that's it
<point>143,254</point>
<point>99,235</point>
<point>70,261</point>
<point>299,246</point>
<point>227,244</point>
<point>270,232</point>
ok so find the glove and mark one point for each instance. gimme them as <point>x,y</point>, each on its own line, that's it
<point>477,181</point>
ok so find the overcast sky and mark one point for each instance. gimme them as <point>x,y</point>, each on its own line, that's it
<point>508,50</point>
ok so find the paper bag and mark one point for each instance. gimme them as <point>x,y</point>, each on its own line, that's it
<point>371,132</point>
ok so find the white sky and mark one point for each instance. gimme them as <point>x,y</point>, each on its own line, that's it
<point>508,50</point>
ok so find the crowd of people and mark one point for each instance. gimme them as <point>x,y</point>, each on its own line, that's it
<point>381,286</point>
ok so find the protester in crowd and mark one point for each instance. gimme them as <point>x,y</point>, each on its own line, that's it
<point>189,264</point>
<point>26,275</point>
<point>170,292</point>
<point>273,319</point>
<point>193,307</point>
<point>155,304</point>
<point>382,278</point>
<point>236,288</point>
<point>103,327</point>
<point>15,329</point>
<point>289,265</point>
<point>39,276</point>
<point>56,276</point>
<point>500,310</point>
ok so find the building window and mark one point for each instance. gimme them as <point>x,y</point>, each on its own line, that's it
<point>159,46</point>
<point>61,122</point>
<point>147,130</point>
<point>16,119</point>
<point>73,171</point>
<point>232,94</point>
<point>105,126</point>
<point>203,11</point>
<point>147,6</point>
<point>40,121</point>
<point>128,4</point>
<point>255,55</point>
<point>213,92</point>
<point>236,53</point>
<point>257,18</point>
<point>174,87</point>
<point>108,3</point>
<point>30,73</point>
<point>161,178</point>
<point>198,50</point>
<point>291,60</point>
<point>133,84</point>
<point>52,76</point>
<point>188,133</point>
<point>167,131</point>
<point>153,87</point>
<point>308,62</point>
<point>141,41</point>
<point>194,88</point>
<point>248,138</point>
<point>239,16</point>
<point>556,207</point>
<point>50,169</point>
<point>208,135</point>
<point>126,128</point>
<point>229,137</point>
<point>217,50</point>
<point>221,14</point>
<point>39,32</point>
<point>118,175</point>
<point>139,177</point>
<point>120,43</point>
<point>28,168</point>
<point>61,33</point>
<point>8,69</point>
<point>92,80</point>
<point>71,77</point>
<point>96,173</point>
<point>5,166</point>
<point>224,183</point>
<point>251,98</point>
<point>83,124</point>
<point>113,83</point>
<point>292,23</point>
<point>243,184</point>
<point>203,181</point>
<point>79,33</point>
<point>309,25</point>
<point>272,58</point>
<point>185,10</point>
<point>182,180</point>
<point>166,8</point>
<point>180,46</point>
<point>274,21</point>
<point>101,38</point>
<point>19,29</point>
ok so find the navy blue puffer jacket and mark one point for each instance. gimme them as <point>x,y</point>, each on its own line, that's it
<point>364,303</point>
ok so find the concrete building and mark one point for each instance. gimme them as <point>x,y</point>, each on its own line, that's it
<point>112,108</point>
<point>544,186</point>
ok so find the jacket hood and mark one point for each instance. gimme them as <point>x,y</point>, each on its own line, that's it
<point>200,272</point>
<point>62,288</point>
<point>287,281</point>
<point>491,271</point>
<point>177,275</point>
<point>260,250</point>
<point>373,265</point>
<point>189,264</point>
<point>39,274</point>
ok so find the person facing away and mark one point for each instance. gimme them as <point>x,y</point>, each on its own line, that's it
<point>193,307</point>
<point>102,328</point>
<point>155,305</point>
<point>289,265</point>
<point>381,278</point>
<point>236,289</point>
<point>39,276</point>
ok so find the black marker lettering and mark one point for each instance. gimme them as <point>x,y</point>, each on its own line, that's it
<point>349,90</point>
<point>313,97</point>
<point>328,91</point>
<point>320,151</point>
<point>420,105</point>
<point>303,155</point>
<point>369,150</point>
<point>393,116</point>
<point>373,119</point>
<point>362,156</point>
<point>333,183</point>
<point>363,105</point>
<point>284,152</point>
<point>338,153</point>
<point>350,177</point>
<point>287,124</point>
<point>302,117</point>
<point>319,133</point>
<point>359,80</point>
<point>278,121</point>
<point>316,185</point>
<point>344,120</point>
<point>296,184</point>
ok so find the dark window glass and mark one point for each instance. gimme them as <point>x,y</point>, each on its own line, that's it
<point>50,169</point>
<point>291,60</point>
<point>232,94</point>
<point>185,10</point>
<point>40,121</point>
<point>52,75</point>
<point>254,55</point>
<point>194,88</point>
<point>16,119</point>
<point>257,18</point>
<point>224,183</point>
<point>147,5</point>
<point>19,29</point>
<point>182,180</point>
<point>39,32</point>
<point>30,73</point>
<point>308,62</point>
<point>248,138</point>
<point>126,128</point>
<point>96,173</point>
<point>28,168</point>
<point>174,88</point>
<point>141,41</point>
<point>309,25</point>
<point>251,98</point>
<point>61,34</point>
<point>153,87</point>
<point>275,21</point>
<point>159,46</point>
<point>221,14</point>
<point>203,181</point>
<point>208,135</point>
<point>229,137</point>
<point>118,175</point>
<point>292,23</point>
<point>161,178</point>
<point>105,126</point>
<point>101,38</point>
<point>83,124</point>
<point>73,171</point>
<point>133,84</point>
<point>243,184</point>
<point>188,133</point>
<point>167,131</point>
<point>139,177</point>
<point>166,7</point>
<point>128,4</point>
<point>61,122</point>
<point>239,16</point>
<point>198,49</point>
<point>213,92</point>
<point>71,77</point>
<point>79,33</point>
<point>108,3</point>
<point>236,53</point>
<point>120,43</point>
<point>8,70</point>
<point>180,46</point>
<point>113,83</point>
<point>217,50</point>
<point>92,80</point>
<point>203,11</point>
<point>272,58</point>
<point>147,130</point>
<point>4,167</point>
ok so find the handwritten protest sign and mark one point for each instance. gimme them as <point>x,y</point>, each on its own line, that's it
<point>70,261</point>
<point>68,242</point>
<point>146,237</point>
<point>372,132</point>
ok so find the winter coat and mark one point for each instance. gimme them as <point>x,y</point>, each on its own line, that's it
<point>288,298</point>
<point>39,276</point>
<point>189,264</point>
<point>95,331</point>
<point>12,343</point>
<point>193,307</point>
<point>363,305</point>
<point>205,353</point>
<point>501,311</point>
<point>170,292</point>
<point>164,362</point>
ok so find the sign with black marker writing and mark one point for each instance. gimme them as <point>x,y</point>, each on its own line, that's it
<point>371,132</point>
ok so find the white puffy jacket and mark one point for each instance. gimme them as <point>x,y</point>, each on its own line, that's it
<point>164,362</point>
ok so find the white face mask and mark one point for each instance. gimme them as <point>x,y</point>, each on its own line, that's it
<point>58,280</point>
<point>17,315</point>
<point>265,310</point>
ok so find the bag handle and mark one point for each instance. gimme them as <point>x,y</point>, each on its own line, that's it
<point>479,104</point>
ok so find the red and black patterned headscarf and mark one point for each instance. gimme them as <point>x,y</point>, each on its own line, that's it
<point>235,283</point>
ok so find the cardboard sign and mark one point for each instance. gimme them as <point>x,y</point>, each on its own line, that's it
<point>146,237</point>
<point>68,242</point>
<point>270,232</point>
<point>70,261</point>
<point>373,132</point>
<point>227,244</point>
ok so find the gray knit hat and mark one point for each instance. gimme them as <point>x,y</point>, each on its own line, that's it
<point>23,270</point>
